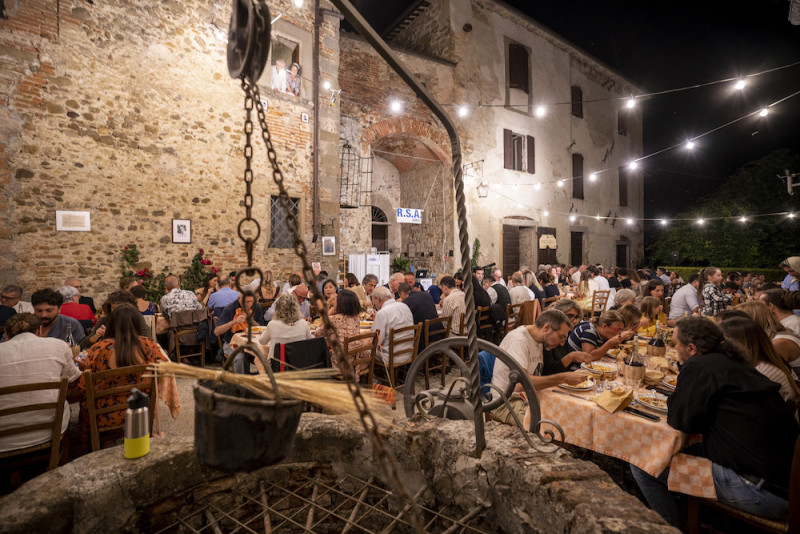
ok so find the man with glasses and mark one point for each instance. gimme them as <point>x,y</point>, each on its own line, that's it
<point>76,283</point>
<point>560,358</point>
<point>300,292</point>
<point>525,345</point>
<point>600,335</point>
<point>11,296</point>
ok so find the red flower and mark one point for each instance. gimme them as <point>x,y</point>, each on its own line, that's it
<point>148,274</point>
<point>140,273</point>
<point>202,251</point>
<point>126,247</point>
<point>214,270</point>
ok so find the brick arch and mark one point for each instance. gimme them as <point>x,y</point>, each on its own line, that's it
<point>432,137</point>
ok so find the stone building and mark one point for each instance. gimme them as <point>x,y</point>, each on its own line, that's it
<point>126,111</point>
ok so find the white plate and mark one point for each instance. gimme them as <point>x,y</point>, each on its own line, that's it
<point>603,367</point>
<point>579,387</point>
<point>646,400</point>
<point>670,386</point>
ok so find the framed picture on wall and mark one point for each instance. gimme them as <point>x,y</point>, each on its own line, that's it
<point>181,231</point>
<point>328,246</point>
<point>73,221</point>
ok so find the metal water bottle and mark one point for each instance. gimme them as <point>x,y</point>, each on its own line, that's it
<point>137,425</point>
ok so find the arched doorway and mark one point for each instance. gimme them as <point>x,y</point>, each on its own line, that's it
<point>380,230</point>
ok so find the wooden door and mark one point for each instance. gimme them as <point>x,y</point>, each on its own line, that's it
<point>510,250</point>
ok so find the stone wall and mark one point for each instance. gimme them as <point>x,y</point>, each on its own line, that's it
<point>522,490</point>
<point>126,110</point>
<point>429,33</point>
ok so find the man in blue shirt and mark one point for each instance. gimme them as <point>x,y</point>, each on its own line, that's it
<point>224,295</point>
<point>792,268</point>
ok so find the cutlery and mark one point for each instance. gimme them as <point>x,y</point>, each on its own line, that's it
<point>634,411</point>
<point>568,394</point>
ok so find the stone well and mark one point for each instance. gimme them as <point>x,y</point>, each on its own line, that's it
<point>509,489</point>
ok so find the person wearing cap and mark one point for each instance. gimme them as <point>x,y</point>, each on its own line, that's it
<point>792,268</point>
<point>300,292</point>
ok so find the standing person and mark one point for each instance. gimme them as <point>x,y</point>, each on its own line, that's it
<point>278,76</point>
<point>747,433</point>
<point>713,297</point>
<point>293,80</point>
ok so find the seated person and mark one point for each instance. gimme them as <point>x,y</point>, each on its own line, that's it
<point>346,323</point>
<point>391,315</point>
<point>747,433</point>
<point>651,308</point>
<point>300,292</point>
<point>6,313</point>
<point>47,307</point>
<point>11,296</point>
<point>550,288</point>
<point>122,346</point>
<point>422,308</point>
<point>623,297</point>
<point>225,294</point>
<point>599,335</point>
<point>286,326</point>
<point>113,301</point>
<point>525,345</point>
<point>71,308</point>
<point>144,306</point>
<point>234,319</point>
<point>26,358</point>
<point>559,359</point>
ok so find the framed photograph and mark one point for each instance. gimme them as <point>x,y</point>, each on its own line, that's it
<point>328,246</point>
<point>181,231</point>
<point>73,221</point>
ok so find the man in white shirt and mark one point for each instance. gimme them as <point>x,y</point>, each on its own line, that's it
<point>602,285</point>
<point>518,292</point>
<point>452,304</point>
<point>576,276</point>
<point>684,300</point>
<point>497,275</point>
<point>525,346</point>
<point>391,316</point>
<point>278,76</point>
<point>487,285</point>
<point>177,299</point>
<point>25,359</point>
<point>11,295</point>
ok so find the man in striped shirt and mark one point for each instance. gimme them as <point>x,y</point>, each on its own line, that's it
<point>453,303</point>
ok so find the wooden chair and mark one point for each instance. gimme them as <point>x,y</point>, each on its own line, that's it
<point>184,326</point>
<point>667,302</point>
<point>150,320</point>
<point>599,301</point>
<point>428,332</point>
<point>51,449</point>
<point>548,301</point>
<point>760,523</point>
<point>355,345</point>
<point>407,337</point>
<point>484,320</point>
<point>512,317</point>
<point>93,395</point>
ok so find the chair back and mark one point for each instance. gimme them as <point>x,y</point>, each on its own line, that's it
<point>59,390</point>
<point>484,320</point>
<point>306,354</point>
<point>150,321</point>
<point>356,345</point>
<point>107,393</point>
<point>189,328</point>
<point>432,332</point>
<point>548,301</point>
<point>599,301</point>
<point>404,341</point>
<point>512,317</point>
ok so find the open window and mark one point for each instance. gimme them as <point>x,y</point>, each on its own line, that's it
<point>519,152</point>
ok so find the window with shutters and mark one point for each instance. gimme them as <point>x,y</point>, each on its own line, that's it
<point>623,186</point>
<point>577,101</point>
<point>280,236</point>
<point>577,176</point>
<point>622,122</point>
<point>518,67</point>
<point>519,152</point>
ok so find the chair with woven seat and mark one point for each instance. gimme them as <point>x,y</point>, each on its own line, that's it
<point>403,343</point>
<point>599,302</point>
<point>106,396</point>
<point>429,333</point>
<point>765,525</point>
<point>48,451</point>
<point>355,345</point>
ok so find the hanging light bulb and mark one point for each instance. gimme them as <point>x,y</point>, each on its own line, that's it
<point>541,111</point>
<point>764,112</point>
<point>463,111</point>
<point>572,218</point>
<point>395,106</point>
<point>546,213</point>
<point>515,187</point>
<point>689,144</point>
<point>631,103</point>
<point>597,217</point>
<point>740,83</point>
<point>791,215</point>
<point>633,165</point>
<point>483,189</point>
<point>538,186</point>
<point>326,85</point>
<point>663,222</point>
<point>701,221</point>
<point>298,3</point>
<point>593,177</point>
<point>629,221</point>
<point>743,219</point>
<point>561,183</point>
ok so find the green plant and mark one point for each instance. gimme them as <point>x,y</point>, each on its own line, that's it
<point>400,264</point>
<point>476,252</point>
<point>195,275</point>
<point>191,279</point>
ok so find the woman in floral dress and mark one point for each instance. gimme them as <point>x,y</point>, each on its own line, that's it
<point>347,324</point>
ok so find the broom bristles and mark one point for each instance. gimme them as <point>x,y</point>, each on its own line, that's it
<point>304,385</point>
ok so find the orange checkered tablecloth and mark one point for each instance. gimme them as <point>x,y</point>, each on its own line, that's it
<point>649,445</point>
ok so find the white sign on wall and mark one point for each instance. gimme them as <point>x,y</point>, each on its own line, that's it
<point>408,215</point>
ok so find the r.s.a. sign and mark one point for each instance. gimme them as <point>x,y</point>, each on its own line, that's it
<point>408,215</point>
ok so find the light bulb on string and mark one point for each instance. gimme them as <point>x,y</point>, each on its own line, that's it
<point>630,103</point>
<point>593,177</point>
<point>791,215</point>
<point>740,83</point>
<point>572,218</point>
<point>663,222</point>
<point>764,112</point>
<point>689,144</point>
<point>633,165</point>
<point>743,219</point>
<point>463,111</point>
<point>298,3</point>
<point>546,213</point>
<point>541,111</point>
<point>561,183</point>
<point>395,106</point>
<point>326,85</point>
<point>538,186</point>
<point>629,221</point>
<point>701,221</point>
<point>597,217</point>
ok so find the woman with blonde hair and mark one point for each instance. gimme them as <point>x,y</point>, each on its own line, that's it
<point>287,324</point>
<point>599,335</point>
<point>651,308</point>
<point>761,354</point>
<point>268,291</point>
<point>786,343</point>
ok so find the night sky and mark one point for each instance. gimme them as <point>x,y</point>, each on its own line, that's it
<point>666,45</point>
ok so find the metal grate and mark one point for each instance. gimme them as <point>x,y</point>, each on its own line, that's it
<point>355,179</point>
<point>317,503</point>
<point>280,236</point>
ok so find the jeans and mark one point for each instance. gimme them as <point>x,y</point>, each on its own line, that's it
<point>731,489</point>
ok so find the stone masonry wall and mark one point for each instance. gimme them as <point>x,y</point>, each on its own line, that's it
<point>126,110</point>
<point>429,33</point>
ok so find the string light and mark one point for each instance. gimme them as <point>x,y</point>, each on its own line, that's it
<point>597,217</point>
<point>740,83</point>
<point>701,222</point>
<point>540,111</point>
<point>593,177</point>
<point>326,85</point>
<point>629,221</point>
<point>463,111</point>
<point>298,3</point>
<point>633,165</point>
<point>631,103</point>
<point>538,186</point>
<point>663,222</point>
<point>764,112</point>
<point>689,144</point>
<point>743,219</point>
<point>572,218</point>
<point>791,215</point>
<point>546,213</point>
<point>395,106</point>
<point>561,183</point>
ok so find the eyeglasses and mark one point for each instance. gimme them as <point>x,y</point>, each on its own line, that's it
<point>616,329</point>
<point>6,297</point>
<point>572,316</point>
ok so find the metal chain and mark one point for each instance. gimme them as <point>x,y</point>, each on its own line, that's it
<point>386,459</point>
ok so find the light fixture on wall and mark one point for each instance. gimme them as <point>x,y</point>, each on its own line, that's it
<point>483,189</point>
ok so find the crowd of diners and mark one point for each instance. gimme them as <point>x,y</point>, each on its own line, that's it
<point>737,389</point>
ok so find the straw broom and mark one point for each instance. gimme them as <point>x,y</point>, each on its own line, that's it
<point>305,385</point>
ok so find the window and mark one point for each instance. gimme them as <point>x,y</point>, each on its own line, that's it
<point>623,186</point>
<point>577,101</point>
<point>519,152</point>
<point>518,72</point>
<point>622,122</point>
<point>577,176</point>
<point>287,52</point>
<point>576,248</point>
<point>380,230</point>
<point>280,236</point>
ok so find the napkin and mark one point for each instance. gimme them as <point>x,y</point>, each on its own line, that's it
<point>614,402</point>
<point>653,377</point>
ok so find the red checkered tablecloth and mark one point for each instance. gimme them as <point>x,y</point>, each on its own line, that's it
<point>649,445</point>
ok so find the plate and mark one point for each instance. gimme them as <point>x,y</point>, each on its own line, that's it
<point>366,324</point>
<point>670,381</point>
<point>599,367</point>
<point>258,329</point>
<point>586,385</point>
<point>646,400</point>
